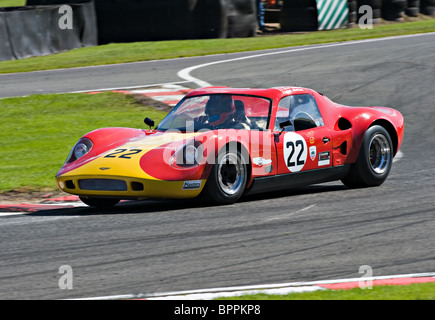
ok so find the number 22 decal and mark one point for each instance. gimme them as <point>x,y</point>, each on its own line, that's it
<point>295,151</point>
<point>291,145</point>
<point>121,153</point>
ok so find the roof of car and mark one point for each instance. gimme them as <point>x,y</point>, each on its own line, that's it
<point>273,93</point>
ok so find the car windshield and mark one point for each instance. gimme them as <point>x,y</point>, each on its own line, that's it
<point>218,111</point>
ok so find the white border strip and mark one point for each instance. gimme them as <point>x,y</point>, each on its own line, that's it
<point>205,294</point>
<point>130,88</point>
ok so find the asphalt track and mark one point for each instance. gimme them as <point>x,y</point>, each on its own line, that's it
<point>316,233</point>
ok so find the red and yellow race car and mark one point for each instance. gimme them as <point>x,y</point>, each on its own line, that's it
<point>221,143</point>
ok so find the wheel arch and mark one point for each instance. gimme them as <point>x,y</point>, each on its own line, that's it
<point>387,125</point>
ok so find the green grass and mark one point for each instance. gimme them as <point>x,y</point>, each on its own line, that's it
<point>152,50</point>
<point>12,3</point>
<point>38,132</point>
<point>420,291</point>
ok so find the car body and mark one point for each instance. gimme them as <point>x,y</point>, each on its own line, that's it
<point>221,143</point>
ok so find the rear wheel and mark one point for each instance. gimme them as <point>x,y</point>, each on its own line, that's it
<point>374,161</point>
<point>227,180</point>
<point>99,202</point>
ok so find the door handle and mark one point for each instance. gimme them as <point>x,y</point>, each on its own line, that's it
<point>326,140</point>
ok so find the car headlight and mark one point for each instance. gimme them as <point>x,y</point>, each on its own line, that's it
<point>189,155</point>
<point>82,147</point>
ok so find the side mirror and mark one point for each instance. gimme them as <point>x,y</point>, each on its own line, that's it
<point>282,125</point>
<point>149,122</point>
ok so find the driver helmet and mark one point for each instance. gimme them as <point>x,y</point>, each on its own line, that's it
<point>219,108</point>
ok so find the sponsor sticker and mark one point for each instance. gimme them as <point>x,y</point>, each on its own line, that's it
<point>313,152</point>
<point>192,185</point>
<point>324,158</point>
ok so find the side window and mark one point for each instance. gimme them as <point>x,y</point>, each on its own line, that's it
<point>301,110</point>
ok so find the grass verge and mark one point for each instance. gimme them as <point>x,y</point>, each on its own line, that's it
<point>420,291</point>
<point>152,50</point>
<point>12,3</point>
<point>40,130</point>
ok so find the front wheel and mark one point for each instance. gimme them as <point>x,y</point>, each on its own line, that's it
<point>99,202</point>
<point>228,177</point>
<point>374,161</point>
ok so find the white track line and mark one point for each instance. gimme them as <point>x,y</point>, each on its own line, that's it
<point>186,73</point>
<point>204,294</point>
<point>132,87</point>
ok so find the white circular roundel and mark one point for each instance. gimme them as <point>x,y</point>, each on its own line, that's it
<point>295,151</point>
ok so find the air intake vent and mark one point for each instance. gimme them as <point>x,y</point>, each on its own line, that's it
<point>343,148</point>
<point>103,185</point>
<point>136,186</point>
<point>70,184</point>
<point>344,124</point>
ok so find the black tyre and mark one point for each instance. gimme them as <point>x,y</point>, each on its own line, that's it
<point>352,6</point>
<point>429,11</point>
<point>374,161</point>
<point>227,180</point>
<point>99,202</point>
<point>352,17</point>
<point>427,3</point>
<point>412,11</point>
<point>394,9</point>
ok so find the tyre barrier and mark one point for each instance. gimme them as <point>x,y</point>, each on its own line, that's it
<point>375,5</point>
<point>148,20</point>
<point>5,47</point>
<point>413,8</point>
<point>242,19</point>
<point>427,7</point>
<point>353,11</point>
<point>393,10</point>
<point>38,30</point>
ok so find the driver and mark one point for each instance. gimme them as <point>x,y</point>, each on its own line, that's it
<point>220,110</point>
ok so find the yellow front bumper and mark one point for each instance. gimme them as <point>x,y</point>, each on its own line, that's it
<point>128,188</point>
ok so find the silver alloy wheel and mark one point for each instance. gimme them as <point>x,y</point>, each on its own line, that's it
<point>379,154</point>
<point>231,173</point>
